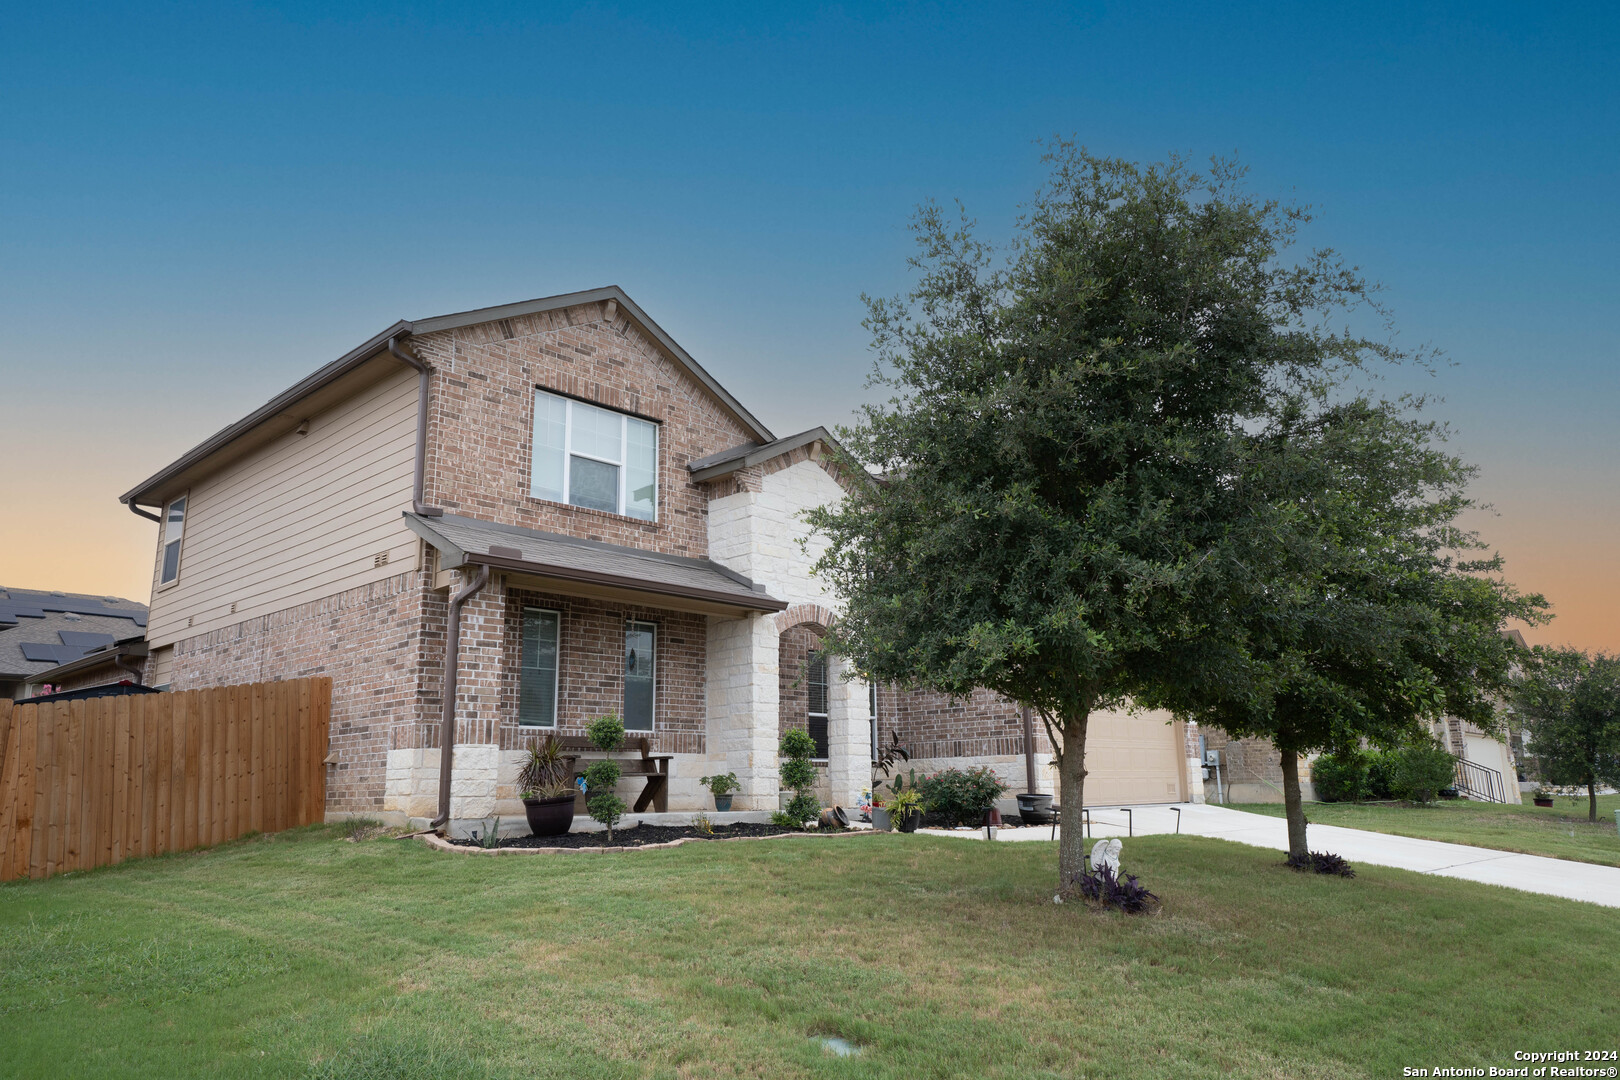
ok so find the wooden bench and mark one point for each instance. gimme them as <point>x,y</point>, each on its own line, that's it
<point>655,767</point>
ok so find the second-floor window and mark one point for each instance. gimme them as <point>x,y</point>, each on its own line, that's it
<point>594,457</point>
<point>174,531</point>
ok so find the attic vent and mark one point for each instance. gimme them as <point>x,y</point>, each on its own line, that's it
<point>191,620</point>
<point>233,607</point>
<point>380,559</point>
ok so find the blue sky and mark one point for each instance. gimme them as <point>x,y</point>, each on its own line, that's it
<point>198,205</point>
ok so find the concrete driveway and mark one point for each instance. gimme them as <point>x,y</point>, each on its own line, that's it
<point>1528,873</point>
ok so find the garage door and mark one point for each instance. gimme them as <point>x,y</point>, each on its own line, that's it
<point>1132,759</point>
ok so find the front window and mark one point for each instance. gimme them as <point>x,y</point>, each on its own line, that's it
<point>174,531</point>
<point>537,681</point>
<point>594,457</point>
<point>817,712</point>
<point>640,645</point>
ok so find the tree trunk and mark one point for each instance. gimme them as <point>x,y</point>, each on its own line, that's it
<point>1591,800</point>
<point>1072,797</point>
<point>1293,805</point>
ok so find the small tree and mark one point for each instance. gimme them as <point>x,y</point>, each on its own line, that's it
<point>799,774</point>
<point>1569,702</point>
<point>1361,611</point>
<point>601,777</point>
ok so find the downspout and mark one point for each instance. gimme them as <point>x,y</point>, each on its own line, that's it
<point>122,663</point>
<point>447,719</point>
<point>1029,752</point>
<point>147,514</point>
<point>422,371</point>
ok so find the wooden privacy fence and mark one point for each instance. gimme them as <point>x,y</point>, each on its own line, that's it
<point>93,782</point>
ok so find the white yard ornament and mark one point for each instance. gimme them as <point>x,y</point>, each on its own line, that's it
<point>1106,853</point>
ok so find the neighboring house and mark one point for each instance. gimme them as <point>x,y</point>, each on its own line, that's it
<point>44,635</point>
<point>551,509</point>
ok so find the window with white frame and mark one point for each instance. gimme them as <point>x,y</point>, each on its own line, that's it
<point>537,674</point>
<point>871,712</point>
<point>594,457</point>
<point>174,531</point>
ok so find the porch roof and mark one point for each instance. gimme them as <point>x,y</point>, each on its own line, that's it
<point>574,566</point>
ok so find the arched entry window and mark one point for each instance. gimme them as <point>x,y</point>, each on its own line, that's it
<point>816,678</point>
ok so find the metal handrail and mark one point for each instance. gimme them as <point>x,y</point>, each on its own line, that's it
<point>1479,782</point>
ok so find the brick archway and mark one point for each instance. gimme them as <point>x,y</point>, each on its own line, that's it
<point>801,614</point>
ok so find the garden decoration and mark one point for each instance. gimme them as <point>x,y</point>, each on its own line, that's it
<point>607,735</point>
<point>799,775</point>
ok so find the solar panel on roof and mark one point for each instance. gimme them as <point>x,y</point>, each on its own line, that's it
<point>85,639</point>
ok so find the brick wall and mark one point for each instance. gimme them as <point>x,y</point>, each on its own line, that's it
<point>482,417</point>
<point>369,640</point>
<point>934,725</point>
<point>590,680</point>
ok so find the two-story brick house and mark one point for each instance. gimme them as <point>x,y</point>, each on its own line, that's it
<point>551,508</point>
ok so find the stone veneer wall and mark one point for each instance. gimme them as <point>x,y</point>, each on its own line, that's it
<point>369,640</point>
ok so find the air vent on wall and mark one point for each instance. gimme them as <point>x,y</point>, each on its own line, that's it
<point>380,559</point>
<point>233,607</point>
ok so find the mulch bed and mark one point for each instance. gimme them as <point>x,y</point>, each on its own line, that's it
<point>635,836</point>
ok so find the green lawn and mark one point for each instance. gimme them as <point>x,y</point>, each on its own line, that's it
<point>308,955</point>
<point>1561,832</point>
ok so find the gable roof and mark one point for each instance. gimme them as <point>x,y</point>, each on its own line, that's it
<point>727,462</point>
<point>328,383</point>
<point>41,629</point>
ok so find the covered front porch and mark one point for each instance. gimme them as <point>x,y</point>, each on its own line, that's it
<point>552,632</point>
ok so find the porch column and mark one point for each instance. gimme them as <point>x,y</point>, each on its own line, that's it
<point>478,698</point>
<point>742,705</point>
<point>849,735</point>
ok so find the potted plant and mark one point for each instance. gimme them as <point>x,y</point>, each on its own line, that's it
<point>547,790</point>
<point>721,788</point>
<point>1542,796</point>
<point>905,807</point>
<point>893,754</point>
<point>881,822</point>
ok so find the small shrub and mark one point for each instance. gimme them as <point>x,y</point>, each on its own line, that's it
<point>1341,776</point>
<point>798,772</point>
<point>490,838</point>
<point>702,825</point>
<point>784,820</point>
<point>803,808</point>
<point>1380,774</point>
<point>606,733</point>
<point>903,802</point>
<point>1104,888</point>
<point>606,808</point>
<point>1418,773</point>
<point>1321,862</point>
<point>601,777</point>
<point>962,796</point>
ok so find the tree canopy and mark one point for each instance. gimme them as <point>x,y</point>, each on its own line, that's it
<point>1063,450</point>
<point>1569,702</point>
<point>1363,610</point>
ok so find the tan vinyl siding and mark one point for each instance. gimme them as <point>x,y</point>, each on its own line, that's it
<point>299,519</point>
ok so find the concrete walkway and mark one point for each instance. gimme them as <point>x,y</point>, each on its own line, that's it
<point>1528,873</point>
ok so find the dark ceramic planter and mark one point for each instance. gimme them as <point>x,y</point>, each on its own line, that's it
<point>880,819</point>
<point>722,803</point>
<point>910,822</point>
<point>549,817</point>
<point>1035,809</point>
<point>1542,802</point>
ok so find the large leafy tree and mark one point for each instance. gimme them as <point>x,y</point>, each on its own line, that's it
<point>1362,608</point>
<point>1570,703</point>
<point>1060,454</point>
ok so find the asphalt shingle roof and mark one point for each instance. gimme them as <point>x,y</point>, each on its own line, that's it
<point>39,630</point>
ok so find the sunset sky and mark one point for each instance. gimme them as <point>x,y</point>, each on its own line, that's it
<point>200,205</point>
